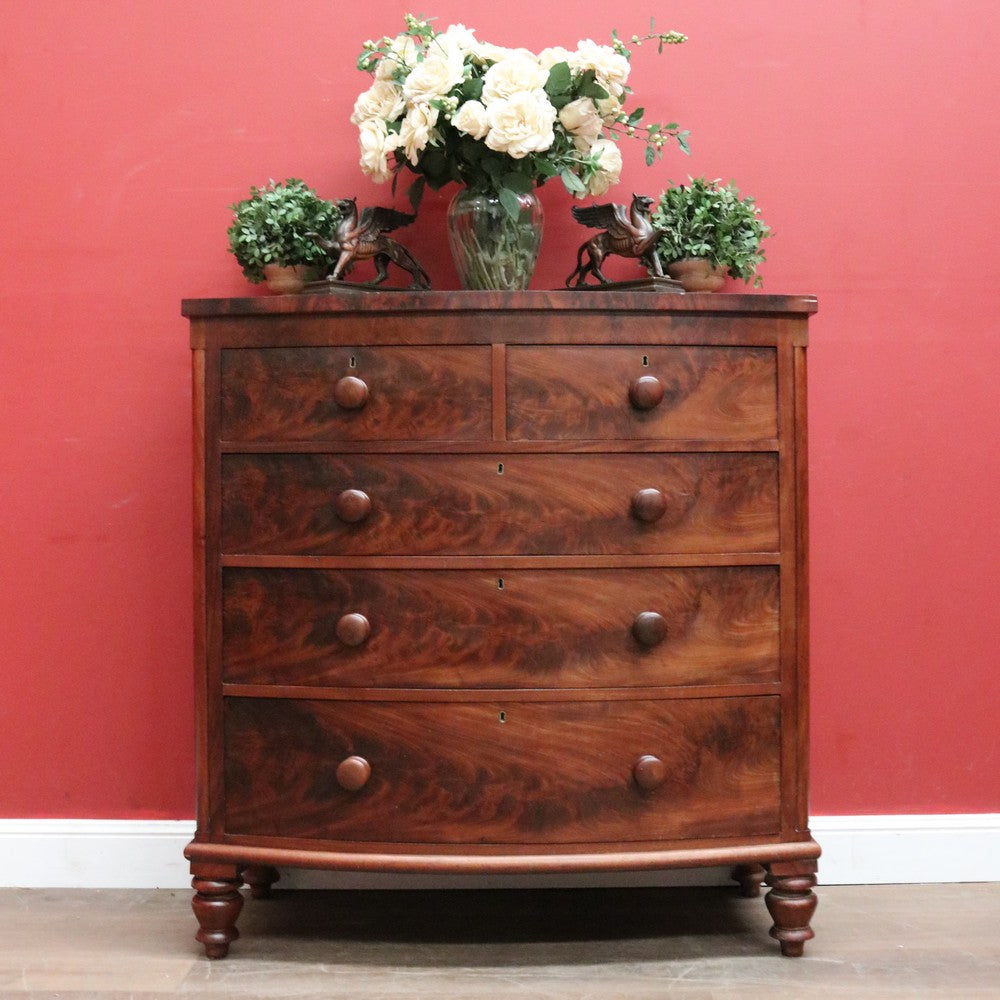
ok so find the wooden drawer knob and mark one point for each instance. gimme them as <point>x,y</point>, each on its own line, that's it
<point>645,392</point>
<point>649,505</point>
<point>650,772</point>
<point>351,393</point>
<point>649,628</point>
<point>353,506</point>
<point>353,629</point>
<point>353,773</point>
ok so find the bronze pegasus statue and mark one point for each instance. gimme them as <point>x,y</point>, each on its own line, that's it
<point>361,239</point>
<point>628,232</point>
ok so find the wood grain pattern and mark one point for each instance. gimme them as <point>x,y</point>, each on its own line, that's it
<point>476,629</point>
<point>482,504</point>
<point>502,772</point>
<point>413,393</point>
<point>710,393</point>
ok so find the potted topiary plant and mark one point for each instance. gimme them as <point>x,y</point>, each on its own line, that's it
<point>269,237</point>
<point>709,232</point>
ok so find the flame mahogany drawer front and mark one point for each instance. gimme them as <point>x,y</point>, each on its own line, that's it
<point>700,393</point>
<point>518,504</point>
<point>504,772</point>
<point>501,583</point>
<point>356,394</point>
<point>524,628</point>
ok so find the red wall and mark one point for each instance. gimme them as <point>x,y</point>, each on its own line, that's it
<point>865,130</point>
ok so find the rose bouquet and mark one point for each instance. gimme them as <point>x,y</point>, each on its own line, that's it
<point>499,121</point>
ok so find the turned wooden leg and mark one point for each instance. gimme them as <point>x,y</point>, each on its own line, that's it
<point>749,878</point>
<point>217,903</point>
<point>791,903</point>
<point>260,878</point>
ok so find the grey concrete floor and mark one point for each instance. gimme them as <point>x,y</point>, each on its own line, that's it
<point>584,944</point>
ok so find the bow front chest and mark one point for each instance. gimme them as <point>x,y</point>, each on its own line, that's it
<point>501,583</point>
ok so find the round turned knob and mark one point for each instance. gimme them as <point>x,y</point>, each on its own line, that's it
<point>645,392</point>
<point>650,772</point>
<point>353,773</point>
<point>353,506</point>
<point>649,505</point>
<point>351,393</point>
<point>649,628</point>
<point>353,629</point>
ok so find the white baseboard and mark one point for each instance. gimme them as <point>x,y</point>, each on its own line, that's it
<point>857,850</point>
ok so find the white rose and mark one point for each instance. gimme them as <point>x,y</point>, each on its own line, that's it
<point>607,157</point>
<point>418,130</point>
<point>487,52</point>
<point>547,58</point>
<point>514,75</point>
<point>382,100</point>
<point>471,119</point>
<point>520,125</point>
<point>610,69</point>
<point>376,145</point>
<point>455,37</point>
<point>401,55</point>
<point>434,77</point>
<point>581,119</point>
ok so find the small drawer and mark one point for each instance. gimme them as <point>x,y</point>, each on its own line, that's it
<point>516,629</point>
<point>356,394</point>
<point>502,772</point>
<point>673,393</point>
<point>496,504</point>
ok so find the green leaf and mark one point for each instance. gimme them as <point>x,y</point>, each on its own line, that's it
<point>416,192</point>
<point>650,156</point>
<point>472,89</point>
<point>636,116</point>
<point>560,80</point>
<point>518,182</point>
<point>510,203</point>
<point>572,183</point>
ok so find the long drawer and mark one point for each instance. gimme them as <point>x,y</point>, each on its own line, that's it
<point>502,772</point>
<point>356,394</point>
<point>521,628</point>
<point>703,393</point>
<point>487,504</point>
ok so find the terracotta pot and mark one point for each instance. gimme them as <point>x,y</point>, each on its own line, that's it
<point>286,280</point>
<point>697,274</point>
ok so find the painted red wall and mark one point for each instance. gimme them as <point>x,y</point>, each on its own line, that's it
<point>864,129</point>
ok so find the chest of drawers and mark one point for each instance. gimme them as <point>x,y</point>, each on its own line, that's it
<point>501,583</point>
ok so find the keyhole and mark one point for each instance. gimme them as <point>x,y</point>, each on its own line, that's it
<point>499,583</point>
<point>502,716</point>
<point>499,468</point>
<point>354,362</point>
<point>645,361</point>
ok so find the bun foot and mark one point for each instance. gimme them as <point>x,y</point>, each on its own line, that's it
<point>217,903</point>
<point>750,878</point>
<point>260,878</point>
<point>791,903</point>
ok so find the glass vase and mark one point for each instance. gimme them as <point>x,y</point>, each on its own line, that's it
<point>491,250</point>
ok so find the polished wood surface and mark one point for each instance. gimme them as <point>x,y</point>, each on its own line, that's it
<point>517,504</point>
<point>508,582</point>
<point>524,628</point>
<point>706,393</point>
<point>355,393</point>
<point>502,772</point>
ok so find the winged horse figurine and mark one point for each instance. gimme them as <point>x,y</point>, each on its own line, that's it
<point>627,233</point>
<point>363,238</point>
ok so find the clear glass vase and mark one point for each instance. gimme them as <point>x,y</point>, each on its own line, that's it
<point>491,250</point>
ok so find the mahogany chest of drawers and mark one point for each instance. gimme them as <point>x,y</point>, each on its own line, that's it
<point>501,583</point>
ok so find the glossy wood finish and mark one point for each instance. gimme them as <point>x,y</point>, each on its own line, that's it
<point>465,505</point>
<point>501,582</point>
<point>520,628</point>
<point>504,772</point>
<point>354,393</point>
<point>703,393</point>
